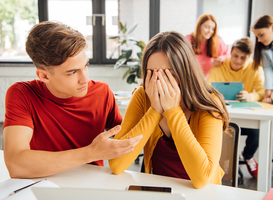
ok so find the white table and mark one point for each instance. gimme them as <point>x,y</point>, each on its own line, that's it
<point>95,177</point>
<point>88,176</point>
<point>259,119</point>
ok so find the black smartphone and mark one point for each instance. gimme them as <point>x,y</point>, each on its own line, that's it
<point>228,104</point>
<point>150,188</point>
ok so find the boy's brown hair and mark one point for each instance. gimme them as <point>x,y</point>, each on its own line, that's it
<point>244,45</point>
<point>52,43</point>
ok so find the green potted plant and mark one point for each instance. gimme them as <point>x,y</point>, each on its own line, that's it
<point>126,43</point>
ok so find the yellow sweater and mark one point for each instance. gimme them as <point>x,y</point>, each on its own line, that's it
<point>253,80</point>
<point>198,143</point>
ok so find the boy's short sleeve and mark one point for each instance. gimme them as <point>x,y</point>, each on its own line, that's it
<point>17,108</point>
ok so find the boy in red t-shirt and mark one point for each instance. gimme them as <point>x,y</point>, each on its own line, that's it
<point>56,123</point>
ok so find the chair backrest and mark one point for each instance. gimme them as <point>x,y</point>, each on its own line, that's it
<point>229,156</point>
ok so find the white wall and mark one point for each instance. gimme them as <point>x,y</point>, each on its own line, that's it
<point>136,11</point>
<point>10,75</point>
<point>261,7</point>
<point>178,15</point>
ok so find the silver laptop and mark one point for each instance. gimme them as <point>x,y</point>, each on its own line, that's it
<point>99,194</point>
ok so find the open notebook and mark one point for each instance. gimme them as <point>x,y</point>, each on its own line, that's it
<point>246,105</point>
<point>99,194</point>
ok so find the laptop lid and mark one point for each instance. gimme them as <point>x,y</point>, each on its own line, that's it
<point>229,89</point>
<point>100,194</point>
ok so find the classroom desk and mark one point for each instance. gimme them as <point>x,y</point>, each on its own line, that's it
<point>95,177</point>
<point>261,119</point>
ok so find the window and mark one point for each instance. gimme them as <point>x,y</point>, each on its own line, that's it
<point>97,20</point>
<point>136,11</point>
<point>16,19</point>
<point>77,14</point>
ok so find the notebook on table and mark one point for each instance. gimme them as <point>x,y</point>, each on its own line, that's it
<point>228,89</point>
<point>246,105</point>
<point>100,194</point>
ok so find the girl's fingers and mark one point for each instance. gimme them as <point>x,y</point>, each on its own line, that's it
<point>155,74</point>
<point>166,79</point>
<point>148,77</point>
<point>172,79</point>
<point>159,88</point>
<point>164,75</point>
<point>163,84</point>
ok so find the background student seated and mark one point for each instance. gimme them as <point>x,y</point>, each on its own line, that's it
<point>180,115</point>
<point>57,122</point>
<point>239,68</point>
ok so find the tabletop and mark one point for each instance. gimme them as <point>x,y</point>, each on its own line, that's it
<point>96,177</point>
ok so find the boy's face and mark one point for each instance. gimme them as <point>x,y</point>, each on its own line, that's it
<point>69,79</point>
<point>238,59</point>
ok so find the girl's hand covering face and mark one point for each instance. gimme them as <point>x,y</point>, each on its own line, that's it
<point>169,91</point>
<point>152,91</point>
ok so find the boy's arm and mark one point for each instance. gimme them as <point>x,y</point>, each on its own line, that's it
<point>22,162</point>
<point>258,86</point>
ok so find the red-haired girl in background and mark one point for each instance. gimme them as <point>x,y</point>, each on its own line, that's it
<point>209,48</point>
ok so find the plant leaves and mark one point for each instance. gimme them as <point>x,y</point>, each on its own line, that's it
<point>124,30</point>
<point>141,44</point>
<point>132,28</point>
<point>132,39</point>
<point>133,69</point>
<point>139,72</point>
<point>131,79</point>
<point>121,25</point>
<point>119,63</point>
<point>123,42</point>
<point>126,73</point>
<point>118,44</point>
<point>139,55</point>
<point>120,57</point>
<point>126,53</point>
<point>114,37</point>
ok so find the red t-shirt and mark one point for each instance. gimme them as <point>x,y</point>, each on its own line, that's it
<point>61,124</point>
<point>166,161</point>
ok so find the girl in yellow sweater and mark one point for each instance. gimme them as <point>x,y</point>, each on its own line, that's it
<point>239,67</point>
<point>180,116</point>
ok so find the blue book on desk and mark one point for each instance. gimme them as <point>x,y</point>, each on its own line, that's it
<point>228,89</point>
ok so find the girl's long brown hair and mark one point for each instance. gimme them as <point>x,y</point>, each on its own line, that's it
<point>195,91</point>
<point>264,21</point>
<point>197,37</point>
